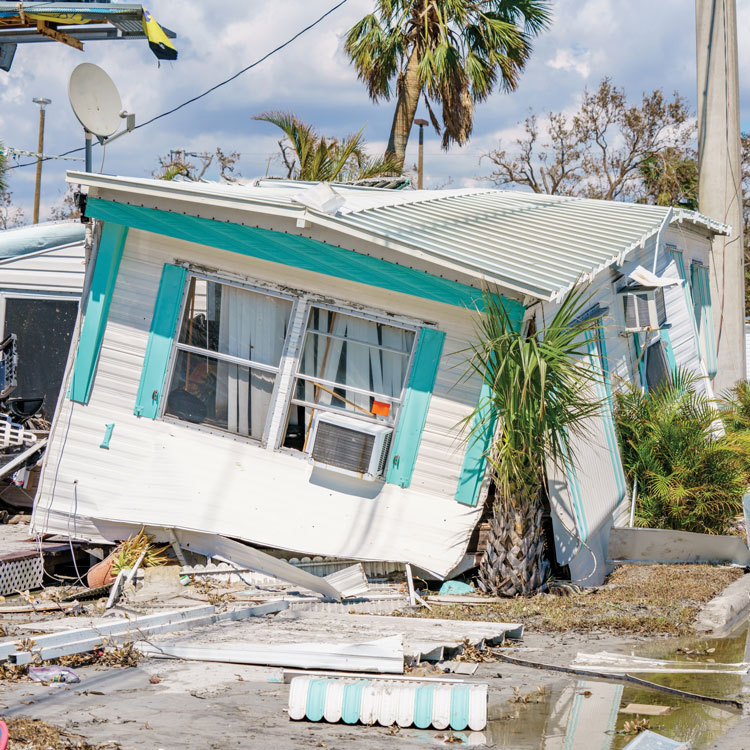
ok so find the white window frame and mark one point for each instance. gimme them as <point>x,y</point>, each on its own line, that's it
<point>177,347</point>
<point>286,372</point>
<point>366,314</point>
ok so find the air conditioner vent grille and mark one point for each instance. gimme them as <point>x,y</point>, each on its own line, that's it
<point>339,446</point>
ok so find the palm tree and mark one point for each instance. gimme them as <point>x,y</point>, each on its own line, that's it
<point>324,159</point>
<point>540,393</point>
<point>452,51</point>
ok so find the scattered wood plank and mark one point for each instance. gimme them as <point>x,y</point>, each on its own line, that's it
<point>645,709</point>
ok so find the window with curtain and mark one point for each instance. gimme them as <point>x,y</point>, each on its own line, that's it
<point>227,357</point>
<point>347,364</point>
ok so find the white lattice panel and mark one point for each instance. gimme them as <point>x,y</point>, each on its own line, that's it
<point>20,575</point>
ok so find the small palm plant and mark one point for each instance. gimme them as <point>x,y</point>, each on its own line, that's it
<point>690,475</point>
<point>540,387</point>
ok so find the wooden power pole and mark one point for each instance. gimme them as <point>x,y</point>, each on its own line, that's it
<point>720,178</point>
<point>40,151</point>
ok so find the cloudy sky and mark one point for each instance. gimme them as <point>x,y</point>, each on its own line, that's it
<point>641,44</point>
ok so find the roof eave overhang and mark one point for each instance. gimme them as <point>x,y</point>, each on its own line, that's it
<point>301,221</point>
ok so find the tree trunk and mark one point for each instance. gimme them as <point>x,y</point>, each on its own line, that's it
<point>406,108</point>
<point>514,561</point>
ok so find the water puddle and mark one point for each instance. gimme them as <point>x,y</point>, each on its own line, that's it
<point>589,713</point>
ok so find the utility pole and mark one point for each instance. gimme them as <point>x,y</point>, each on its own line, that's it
<point>720,178</point>
<point>420,167</point>
<point>40,150</point>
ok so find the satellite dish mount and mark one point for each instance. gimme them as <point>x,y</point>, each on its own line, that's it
<point>97,105</point>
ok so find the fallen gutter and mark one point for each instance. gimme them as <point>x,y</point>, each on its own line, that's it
<point>621,678</point>
<point>609,662</point>
<point>78,641</point>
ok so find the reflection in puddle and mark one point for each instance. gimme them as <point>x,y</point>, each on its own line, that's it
<point>587,713</point>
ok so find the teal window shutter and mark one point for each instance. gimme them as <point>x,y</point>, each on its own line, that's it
<point>98,300</point>
<point>704,316</point>
<point>160,340</point>
<point>414,408</point>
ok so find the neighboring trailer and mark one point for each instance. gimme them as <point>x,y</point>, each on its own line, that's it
<point>42,268</point>
<point>283,363</point>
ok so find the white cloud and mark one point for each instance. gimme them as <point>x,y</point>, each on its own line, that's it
<point>642,45</point>
<point>572,60</point>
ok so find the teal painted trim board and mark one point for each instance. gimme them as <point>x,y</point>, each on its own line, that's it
<point>477,447</point>
<point>641,362</point>
<point>414,409</point>
<point>704,315</point>
<point>292,250</point>
<point>160,339</point>
<point>669,351</point>
<point>478,444</point>
<point>99,298</point>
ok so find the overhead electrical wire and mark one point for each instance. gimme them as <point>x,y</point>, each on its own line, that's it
<point>213,88</point>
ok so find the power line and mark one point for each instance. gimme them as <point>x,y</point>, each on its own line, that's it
<point>213,88</point>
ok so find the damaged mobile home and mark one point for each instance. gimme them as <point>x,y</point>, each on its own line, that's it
<point>282,362</point>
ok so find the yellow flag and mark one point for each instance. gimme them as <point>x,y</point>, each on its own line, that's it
<point>157,39</point>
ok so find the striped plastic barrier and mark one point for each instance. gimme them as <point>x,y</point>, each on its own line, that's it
<point>388,702</point>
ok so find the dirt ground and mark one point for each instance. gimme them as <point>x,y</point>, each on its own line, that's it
<point>636,599</point>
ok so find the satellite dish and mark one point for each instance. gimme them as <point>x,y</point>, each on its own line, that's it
<point>95,100</point>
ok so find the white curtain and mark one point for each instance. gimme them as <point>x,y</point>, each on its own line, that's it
<point>368,368</point>
<point>251,326</point>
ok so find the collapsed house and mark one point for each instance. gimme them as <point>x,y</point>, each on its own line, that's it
<point>42,269</point>
<point>283,363</point>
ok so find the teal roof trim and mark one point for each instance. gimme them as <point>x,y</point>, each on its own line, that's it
<point>291,250</point>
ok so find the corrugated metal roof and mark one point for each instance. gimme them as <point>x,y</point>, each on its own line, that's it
<point>32,239</point>
<point>539,245</point>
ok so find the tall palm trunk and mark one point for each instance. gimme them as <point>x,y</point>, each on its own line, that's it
<point>514,561</point>
<point>406,108</point>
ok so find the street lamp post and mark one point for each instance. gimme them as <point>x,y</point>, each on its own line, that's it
<point>420,167</point>
<point>40,150</point>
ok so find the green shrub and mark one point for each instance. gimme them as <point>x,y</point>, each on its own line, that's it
<point>691,475</point>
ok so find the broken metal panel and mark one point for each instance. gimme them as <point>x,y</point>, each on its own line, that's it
<point>649,740</point>
<point>243,555</point>
<point>668,546</point>
<point>350,581</point>
<point>78,641</point>
<point>385,655</point>
<point>605,662</point>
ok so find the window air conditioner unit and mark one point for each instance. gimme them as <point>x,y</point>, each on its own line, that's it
<point>643,309</point>
<point>349,446</point>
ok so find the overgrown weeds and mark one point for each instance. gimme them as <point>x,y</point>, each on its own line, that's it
<point>640,599</point>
